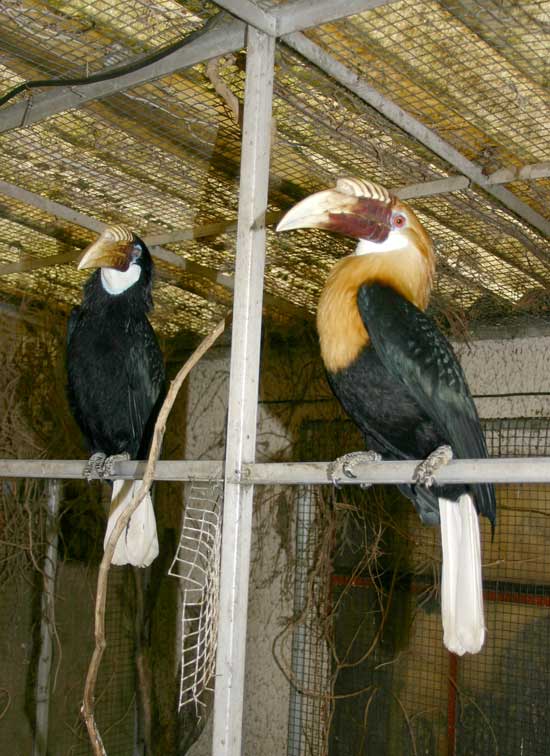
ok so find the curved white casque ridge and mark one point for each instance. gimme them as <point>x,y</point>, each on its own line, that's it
<point>116,233</point>
<point>359,188</point>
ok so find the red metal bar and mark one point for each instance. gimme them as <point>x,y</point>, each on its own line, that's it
<point>508,597</point>
<point>511,597</point>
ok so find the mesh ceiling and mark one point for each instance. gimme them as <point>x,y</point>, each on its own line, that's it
<point>164,156</point>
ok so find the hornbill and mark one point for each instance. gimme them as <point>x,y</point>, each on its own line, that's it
<point>399,380</point>
<point>116,377</point>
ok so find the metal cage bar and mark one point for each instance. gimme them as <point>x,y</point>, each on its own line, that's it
<point>243,394</point>
<point>497,470</point>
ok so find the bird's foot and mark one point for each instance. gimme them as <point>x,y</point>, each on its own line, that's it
<point>346,464</point>
<point>424,472</point>
<point>94,467</point>
<point>110,462</point>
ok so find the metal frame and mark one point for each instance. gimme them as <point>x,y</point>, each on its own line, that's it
<point>240,473</point>
<point>243,394</point>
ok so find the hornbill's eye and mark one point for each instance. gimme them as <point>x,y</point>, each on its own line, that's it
<point>398,221</point>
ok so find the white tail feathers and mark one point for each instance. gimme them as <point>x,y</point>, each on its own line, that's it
<point>461,579</point>
<point>138,544</point>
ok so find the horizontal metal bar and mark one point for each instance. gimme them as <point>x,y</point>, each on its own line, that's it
<point>514,470</point>
<point>218,40</point>
<point>429,188</point>
<point>297,15</point>
<point>182,470</point>
<point>501,470</point>
<point>527,173</point>
<point>251,14</point>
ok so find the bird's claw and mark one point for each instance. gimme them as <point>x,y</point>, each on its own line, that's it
<point>110,462</point>
<point>346,464</point>
<point>424,472</point>
<point>93,469</point>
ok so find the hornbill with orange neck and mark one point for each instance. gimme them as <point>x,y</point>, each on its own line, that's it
<point>116,377</point>
<point>397,377</point>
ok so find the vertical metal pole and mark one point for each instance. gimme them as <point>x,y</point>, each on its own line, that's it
<point>243,395</point>
<point>43,673</point>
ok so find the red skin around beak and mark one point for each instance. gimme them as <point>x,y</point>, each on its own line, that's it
<point>331,210</point>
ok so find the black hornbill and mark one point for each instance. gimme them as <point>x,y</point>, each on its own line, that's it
<point>116,378</point>
<point>397,377</point>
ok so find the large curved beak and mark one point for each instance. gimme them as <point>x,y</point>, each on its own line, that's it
<point>360,217</point>
<point>109,251</point>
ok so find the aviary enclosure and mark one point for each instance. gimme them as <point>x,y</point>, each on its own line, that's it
<point>283,615</point>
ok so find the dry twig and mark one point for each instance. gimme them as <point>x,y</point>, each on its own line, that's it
<point>101,595</point>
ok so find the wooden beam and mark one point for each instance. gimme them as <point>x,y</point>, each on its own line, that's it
<point>250,13</point>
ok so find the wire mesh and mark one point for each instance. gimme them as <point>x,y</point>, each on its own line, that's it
<point>72,649</point>
<point>394,689</point>
<point>308,713</point>
<point>197,565</point>
<point>165,155</point>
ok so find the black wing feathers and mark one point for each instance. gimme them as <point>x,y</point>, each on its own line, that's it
<point>411,348</point>
<point>145,380</point>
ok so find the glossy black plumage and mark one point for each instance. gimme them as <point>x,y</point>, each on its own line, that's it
<point>115,368</point>
<point>407,393</point>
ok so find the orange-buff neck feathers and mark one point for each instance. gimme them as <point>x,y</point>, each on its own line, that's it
<point>409,271</point>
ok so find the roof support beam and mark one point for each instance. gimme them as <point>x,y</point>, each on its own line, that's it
<point>297,14</point>
<point>527,173</point>
<point>430,188</point>
<point>360,87</point>
<point>214,41</point>
<point>51,207</point>
<point>166,255</point>
<point>251,14</point>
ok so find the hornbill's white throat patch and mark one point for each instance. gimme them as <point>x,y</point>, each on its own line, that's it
<point>394,242</point>
<point>116,281</point>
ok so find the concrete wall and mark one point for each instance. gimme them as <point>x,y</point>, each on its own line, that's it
<point>506,374</point>
<point>293,390</point>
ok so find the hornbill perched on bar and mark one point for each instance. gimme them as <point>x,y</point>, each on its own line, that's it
<point>397,377</point>
<point>116,380</point>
